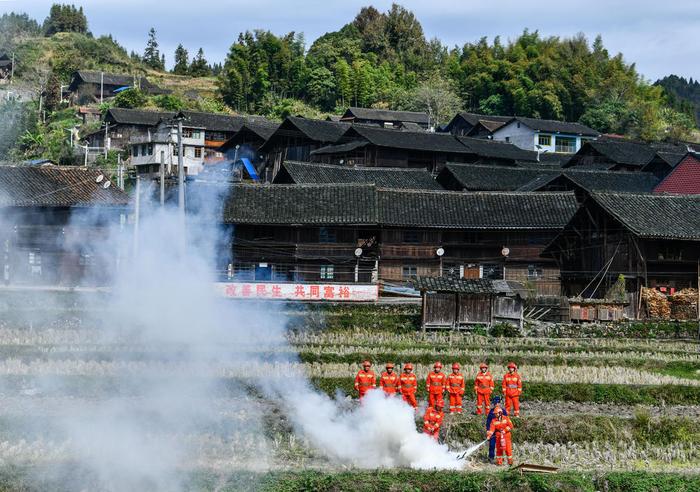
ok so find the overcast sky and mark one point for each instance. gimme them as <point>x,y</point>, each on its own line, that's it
<point>660,37</point>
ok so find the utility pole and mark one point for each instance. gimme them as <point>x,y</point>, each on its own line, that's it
<point>106,138</point>
<point>162,178</point>
<point>181,184</point>
<point>86,154</point>
<point>137,213</point>
<point>12,68</point>
<point>120,172</point>
<point>102,85</point>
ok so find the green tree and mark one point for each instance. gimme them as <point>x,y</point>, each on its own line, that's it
<point>343,82</point>
<point>437,97</point>
<point>321,88</point>
<point>65,18</point>
<point>200,65</point>
<point>182,61</point>
<point>130,99</point>
<point>151,55</point>
<point>52,93</point>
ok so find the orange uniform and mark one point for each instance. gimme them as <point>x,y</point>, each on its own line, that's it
<point>501,427</point>
<point>408,387</point>
<point>512,389</point>
<point>455,388</point>
<point>435,385</point>
<point>432,422</point>
<point>483,386</point>
<point>389,383</point>
<point>365,381</point>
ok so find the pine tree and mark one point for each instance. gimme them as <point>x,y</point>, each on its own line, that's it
<point>182,61</point>
<point>200,66</point>
<point>151,55</point>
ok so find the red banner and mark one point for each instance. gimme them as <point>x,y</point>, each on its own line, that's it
<point>299,292</point>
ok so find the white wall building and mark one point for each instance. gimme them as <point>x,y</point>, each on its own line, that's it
<point>545,135</point>
<point>161,145</point>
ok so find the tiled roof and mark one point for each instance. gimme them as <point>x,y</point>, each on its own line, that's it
<point>386,115</point>
<point>474,119</point>
<point>553,126</point>
<point>497,150</point>
<point>124,80</point>
<point>340,204</point>
<point>454,284</point>
<point>351,204</point>
<point>421,141</point>
<point>481,210</point>
<point>209,121</point>
<point>654,216</point>
<point>633,182</point>
<point>621,152</point>
<point>475,177</point>
<point>52,186</point>
<point>142,117</point>
<point>310,173</point>
<point>684,179</point>
<point>318,130</point>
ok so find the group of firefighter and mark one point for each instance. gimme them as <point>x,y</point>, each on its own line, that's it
<point>498,424</point>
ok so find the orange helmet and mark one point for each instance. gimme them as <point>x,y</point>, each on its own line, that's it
<point>389,365</point>
<point>455,365</point>
<point>483,366</point>
<point>408,365</point>
<point>438,364</point>
<point>366,363</point>
<point>512,364</point>
<point>439,404</point>
<point>497,411</point>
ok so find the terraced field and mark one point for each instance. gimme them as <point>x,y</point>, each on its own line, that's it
<point>591,405</point>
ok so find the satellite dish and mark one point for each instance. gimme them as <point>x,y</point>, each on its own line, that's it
<point>505,251</point>
<point>99,178</point>
<point>106,184</point>
<point>358,252</point>
<point>440,251</point>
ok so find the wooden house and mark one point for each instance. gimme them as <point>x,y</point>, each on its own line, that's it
<point>613,155</point>
<point>296,138</point>
<point>312,232</point>
<point>90,86</point>
<point>652,240</point>
<point>385,118</point>
<point>475,125</point>
<point>56,225</point>
<point>293,172</point>
<point>247,141</point>
<point>458,303</point>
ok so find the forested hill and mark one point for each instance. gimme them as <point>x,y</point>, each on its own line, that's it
<point>684,94</point>
<point>378,59</point>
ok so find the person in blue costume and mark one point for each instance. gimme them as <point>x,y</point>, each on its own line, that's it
<point>495,402</point>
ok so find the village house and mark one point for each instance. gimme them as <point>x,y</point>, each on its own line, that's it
<point>246,143</point>
<point>161,146</point>
<point>545,135</point>
<point>362,233</point>
<point>683,179</point>
<point>59,225</point>
<point>6,68</point>
<point>409,120</point>
<point>651,240</point>
<point>90,86</point>
<point>475,125</point>
<point>295,138</point>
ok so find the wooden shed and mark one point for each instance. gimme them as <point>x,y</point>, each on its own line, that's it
<point>456,303</point>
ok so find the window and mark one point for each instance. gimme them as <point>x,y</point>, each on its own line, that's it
<point>565,144</point>
<point>144,149</point>
<point>244,272</point>
<point>409,271</point>
<point>215,136</point>
<point>198,152</point>
<point>534,272</point>
<point>150,149</point>
<point>135,151</point>
<point>507,139</point>
<point>544,140</point>
<point>326,235</point>
<point>411,236</point>
<point>327,272</point>
<point>191,133</point>
<point>176,150</point>
<point>492,271</point>
<point>34,260</point>
<point>518,124</point>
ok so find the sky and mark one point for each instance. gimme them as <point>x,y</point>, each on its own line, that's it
<point>659,37</point>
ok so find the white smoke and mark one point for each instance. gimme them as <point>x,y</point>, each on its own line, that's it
<point>147,425</point>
